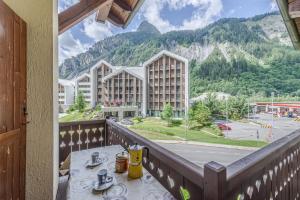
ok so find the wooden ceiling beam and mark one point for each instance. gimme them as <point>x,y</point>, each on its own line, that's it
<point>77,13</point>
<point>122,4</point>
<point>294,9</point>
<point>115,19</point>
<point>103,12</point>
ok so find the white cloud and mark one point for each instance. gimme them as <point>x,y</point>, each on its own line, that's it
<point>205,12</point>
<point>96,31</point>
<point>64,4</point>
<point>273,5</point>
<point>70,46</point>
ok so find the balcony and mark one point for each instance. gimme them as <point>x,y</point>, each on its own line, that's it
<point>270,171</point>
<point>77,136</point>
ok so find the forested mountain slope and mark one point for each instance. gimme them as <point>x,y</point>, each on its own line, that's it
<point>237,56</point>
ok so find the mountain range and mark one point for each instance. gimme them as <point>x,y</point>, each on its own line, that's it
<point>240,56</point>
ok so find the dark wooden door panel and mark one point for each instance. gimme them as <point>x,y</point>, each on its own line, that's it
<point>7,41</point>
<point>16,75</point>
<point>3,66</point>
<point>9,171</point>
<point>12,104</point>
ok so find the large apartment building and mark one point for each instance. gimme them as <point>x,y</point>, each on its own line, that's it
<point>123,87</point>
<point>129,91</point>
<point>83,85</point>
<point>98,72</point>
<point>166,77</point>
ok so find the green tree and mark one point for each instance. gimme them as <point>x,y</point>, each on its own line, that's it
<point>80,103</point>
<point>237,107</point>
<point>98,108</point>
<point>200,116</point>
<point>213,104</point>
<point>167,113</point>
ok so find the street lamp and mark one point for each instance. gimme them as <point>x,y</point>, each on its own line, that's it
<point>226,104</point>
<point>248,109</point>
<point>272,95</point>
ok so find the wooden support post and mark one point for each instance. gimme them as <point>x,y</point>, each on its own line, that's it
<point>294,9</point>
<point>214,181</point>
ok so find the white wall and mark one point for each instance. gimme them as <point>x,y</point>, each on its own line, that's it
<point>42,132</point>
<point>94,90</point>
<point>69,95</point>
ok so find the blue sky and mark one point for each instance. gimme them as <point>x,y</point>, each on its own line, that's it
<point>166,15</point>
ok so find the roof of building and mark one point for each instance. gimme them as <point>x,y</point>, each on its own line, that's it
<point>66,82</point>
<point>165,52</point>
<point>99,63</point>
<point>139,71</point>
<point>81,76</point>
<point>135,71</point>
<point>290,11</point>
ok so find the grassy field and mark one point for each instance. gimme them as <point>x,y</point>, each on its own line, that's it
<point>156,129</point>
<point>78,116</point>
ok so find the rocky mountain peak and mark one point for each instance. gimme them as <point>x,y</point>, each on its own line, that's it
<point>145,26</point>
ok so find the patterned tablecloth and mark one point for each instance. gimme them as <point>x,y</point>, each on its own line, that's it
<point>82,179</point>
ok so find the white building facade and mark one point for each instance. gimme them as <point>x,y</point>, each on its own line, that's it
<point>166,81</point>
<point>83,86</point>
<point>66,94</point>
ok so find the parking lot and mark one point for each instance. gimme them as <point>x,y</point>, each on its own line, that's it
<point>257,128</point>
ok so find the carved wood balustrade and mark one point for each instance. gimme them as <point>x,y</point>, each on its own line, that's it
<point>271,173</point>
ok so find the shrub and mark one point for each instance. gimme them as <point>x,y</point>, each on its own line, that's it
<point>167,113</point>
<point>217,130</point>
<point>71,109</point>
<point>200,116</point>
<point>176,122</point>
<point>139,119</point>
<point>80,102</point>
<point>98,108</point>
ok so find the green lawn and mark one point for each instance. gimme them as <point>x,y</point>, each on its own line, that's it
<point>156,129</point>
<point>78,116</point>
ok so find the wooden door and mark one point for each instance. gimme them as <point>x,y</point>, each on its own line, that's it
<point>12,104</point>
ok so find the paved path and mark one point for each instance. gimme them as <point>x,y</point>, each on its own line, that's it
<point>200,154</point>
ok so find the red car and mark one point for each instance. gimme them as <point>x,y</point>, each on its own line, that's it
<point>223,127</point>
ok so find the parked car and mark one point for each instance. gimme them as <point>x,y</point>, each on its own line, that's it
<point>292,115</point>
<point>224,127</point>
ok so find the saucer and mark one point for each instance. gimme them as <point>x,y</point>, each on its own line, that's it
<point>90,164</point>
<point>99,188</point>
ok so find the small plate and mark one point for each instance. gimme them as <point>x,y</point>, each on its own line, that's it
<point>90,164</point>
<point>99,188</point>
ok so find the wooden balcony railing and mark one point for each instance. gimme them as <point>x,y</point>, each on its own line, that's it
<point>77,136</point>
<point>171,170</point>
<point>269,173</point>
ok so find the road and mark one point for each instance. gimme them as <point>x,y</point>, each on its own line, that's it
<point>203,154</point>
<point>248,131</point>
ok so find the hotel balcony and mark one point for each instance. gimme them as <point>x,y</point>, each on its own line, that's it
<point>272,172</point>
